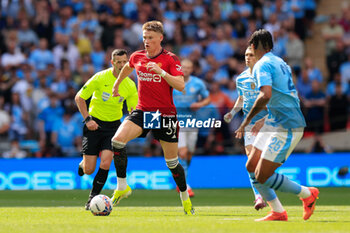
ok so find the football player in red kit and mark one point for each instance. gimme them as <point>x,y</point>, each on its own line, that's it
<point>158,72</point>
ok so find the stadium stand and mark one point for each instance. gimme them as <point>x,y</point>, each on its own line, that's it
<point>50,48</point>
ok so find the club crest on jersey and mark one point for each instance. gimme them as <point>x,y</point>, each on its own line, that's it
<point>252,86</point>
<point>105,96</point>
<point>159,64</point>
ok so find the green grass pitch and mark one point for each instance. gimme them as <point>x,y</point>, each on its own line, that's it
<point>217,210</point>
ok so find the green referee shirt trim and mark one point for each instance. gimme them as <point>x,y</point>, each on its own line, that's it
<point>103,105</point>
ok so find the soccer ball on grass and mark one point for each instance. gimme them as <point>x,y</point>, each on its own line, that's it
<point>101,205</point>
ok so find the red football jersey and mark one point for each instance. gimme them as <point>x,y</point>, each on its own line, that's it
<point>154,92</point>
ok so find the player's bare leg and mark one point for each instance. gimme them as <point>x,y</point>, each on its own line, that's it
<point>259,202</point>
<point>267,193</point>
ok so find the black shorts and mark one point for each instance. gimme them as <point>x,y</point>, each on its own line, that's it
<point>100,139</point>
<point>168,132</point>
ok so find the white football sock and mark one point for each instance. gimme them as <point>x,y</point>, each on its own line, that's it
<point>184,195</point>
<point>121,184</point>
<point>304,193</point>
<point>276,205</point>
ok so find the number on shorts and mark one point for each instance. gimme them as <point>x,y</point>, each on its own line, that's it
<point>275,144</point>
<point>171,130</point>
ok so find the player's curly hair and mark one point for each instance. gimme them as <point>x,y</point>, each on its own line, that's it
<point>155,26</point>
<point>262,38</point>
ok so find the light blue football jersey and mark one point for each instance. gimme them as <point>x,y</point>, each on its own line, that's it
<point>194,90</point>
<point>284,105</point>
<point>248,88</point>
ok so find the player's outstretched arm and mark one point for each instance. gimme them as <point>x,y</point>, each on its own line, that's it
<point>236,108</point>
<point>126,70</point>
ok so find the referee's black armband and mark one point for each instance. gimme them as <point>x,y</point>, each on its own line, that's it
<point>87,119</point>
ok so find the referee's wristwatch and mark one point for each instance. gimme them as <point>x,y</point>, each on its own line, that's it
<point>87,119</point>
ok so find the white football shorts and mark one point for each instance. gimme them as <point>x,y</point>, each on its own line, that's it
<point>277,143</point>
<point>188,138</point>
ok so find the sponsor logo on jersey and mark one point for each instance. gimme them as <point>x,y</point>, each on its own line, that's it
<point>149,77</point>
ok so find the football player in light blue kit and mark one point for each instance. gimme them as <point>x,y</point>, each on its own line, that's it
<point>194,96</point>
<point>281,132</point>
<point>247,94</point>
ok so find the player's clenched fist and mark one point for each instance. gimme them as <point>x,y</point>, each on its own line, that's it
<point>228,117</point>
<point>152,66</point>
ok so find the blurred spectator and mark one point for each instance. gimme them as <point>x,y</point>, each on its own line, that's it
<point>66,135</point>
<point>304,84</point>
<point>219,47</point>
<point>331,87</point>
<point>244,9</point>
<point>294,50</point>
<point>47,119</point>
<point>64,23</point>
<point>16,8</point>
<point>223,104</point>
<point>298,10</point>
<point>280,43</point>
<point>345,70</point>
<point>24,88</point>
<point>273,24</point>
<point>338,109</point>
<point>4,118</point>
<point>13,56</point>
<point>331,33</point>
<point>336,58</point>
<point>345,19</point>
<point>19,117</point>
<point>130,36</point>
<point>41,56</point>
<point>8,79</point>
<point>26,36</point>
<point>43,22</point>
<point>231,91</point>
<point>314,103</point>
<point>310,13</point>
<point>97,56</point>
<point>313,72</point>
<point>65,50</point>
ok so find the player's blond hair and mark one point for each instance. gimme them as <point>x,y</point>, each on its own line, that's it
<point>155,26</point>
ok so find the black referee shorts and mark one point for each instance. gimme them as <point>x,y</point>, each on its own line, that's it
<point>167,134</point>
<point>100,139</point>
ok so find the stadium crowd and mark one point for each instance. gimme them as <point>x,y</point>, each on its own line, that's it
<point>49,49</point>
